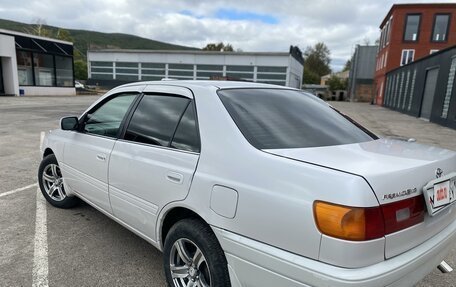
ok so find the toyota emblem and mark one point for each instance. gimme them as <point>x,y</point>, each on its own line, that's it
<point>438,173</point>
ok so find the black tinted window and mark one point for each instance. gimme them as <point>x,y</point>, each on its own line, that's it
<point>276,119</point>
<point>440,28</point>
<point>155,119</point>
<point>106,119</point>
<point>412,23</point>
<point>186,137</point>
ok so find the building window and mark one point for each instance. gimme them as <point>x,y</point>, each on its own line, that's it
<point>449,89</point>
<point>432,51</point>
<point>204,72</point>
<point>44,69</point>
<point>412,26</point>
<point>440,31</point>
<point>153,71</point>
<point>388,30</point>
<point>407,56</point>
<point>386,58</point>
<point>180,71</point>
<point>64,69</point>
<point>24,68</point>
<point>101,70</point>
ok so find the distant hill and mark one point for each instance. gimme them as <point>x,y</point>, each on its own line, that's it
<point>84,39</point>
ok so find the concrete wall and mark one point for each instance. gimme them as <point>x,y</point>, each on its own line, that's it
<point>9,65</point>
<point>294,68</point>
<point>48,91</point>
<point>294,73</point>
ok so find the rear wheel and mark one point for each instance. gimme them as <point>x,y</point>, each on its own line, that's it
<point>193,257</point>
<point>51,184</point>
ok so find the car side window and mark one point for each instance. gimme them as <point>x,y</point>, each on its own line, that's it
<point>155,119</point>
<point>186,136</point>
<point>107,118</point>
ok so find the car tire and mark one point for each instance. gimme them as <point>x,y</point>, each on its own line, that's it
<point>51,184</point>
<point>183,262</point>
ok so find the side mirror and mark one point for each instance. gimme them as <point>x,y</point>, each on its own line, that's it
<point>69,123</point>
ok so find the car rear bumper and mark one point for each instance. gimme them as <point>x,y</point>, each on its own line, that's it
<point>252,263</point>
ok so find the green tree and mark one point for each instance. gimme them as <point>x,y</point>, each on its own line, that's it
<point>335,83</point>
<point>310,77</point>
<point>347,65</point>
<point>39,28</point>
<point>80,69</point>
<point>64,35</point>
<point>316,63</point>
<point>221,47</point>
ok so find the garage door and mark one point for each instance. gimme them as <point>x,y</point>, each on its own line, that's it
<point>429,93</point>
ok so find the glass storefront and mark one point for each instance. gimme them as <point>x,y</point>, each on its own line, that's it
<point>40,69</point>
<point>24,68</point>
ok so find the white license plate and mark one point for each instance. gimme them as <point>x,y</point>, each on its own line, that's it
<point>439,195</point>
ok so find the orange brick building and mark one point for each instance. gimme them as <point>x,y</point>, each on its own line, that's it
<point>410,32</point>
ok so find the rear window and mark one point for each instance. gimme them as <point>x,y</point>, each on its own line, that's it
<point>280,119</point>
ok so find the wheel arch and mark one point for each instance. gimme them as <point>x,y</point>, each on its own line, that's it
<point>172,216</point>
<point>47,152</point>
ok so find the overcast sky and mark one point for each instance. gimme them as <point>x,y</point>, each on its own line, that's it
<point>251,25</point>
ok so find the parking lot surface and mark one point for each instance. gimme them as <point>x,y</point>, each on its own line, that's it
<point>84,247</point>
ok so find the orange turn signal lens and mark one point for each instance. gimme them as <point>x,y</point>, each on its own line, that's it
<point>349,223</point>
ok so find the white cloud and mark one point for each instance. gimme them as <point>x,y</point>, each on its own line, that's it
<point>339,23</point>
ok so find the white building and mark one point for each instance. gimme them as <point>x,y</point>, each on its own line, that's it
<point>112,67</point>
<point>32,65</point>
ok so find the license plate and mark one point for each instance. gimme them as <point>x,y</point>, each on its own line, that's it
<point>440,193</point>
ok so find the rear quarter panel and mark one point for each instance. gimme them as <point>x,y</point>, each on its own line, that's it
<point>276,195</point>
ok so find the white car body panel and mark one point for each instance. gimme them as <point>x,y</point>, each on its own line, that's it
<point>85,166</point>
<point>258,264</point>
<point>144,178</point>
<point>389,166</point>
<point>267,227</point>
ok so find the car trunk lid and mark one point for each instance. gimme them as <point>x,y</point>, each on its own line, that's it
<point>396,170</point>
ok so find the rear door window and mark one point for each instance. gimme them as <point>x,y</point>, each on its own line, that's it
<point>280,119</point>
<point>186,136</point>
<point>155,119</point>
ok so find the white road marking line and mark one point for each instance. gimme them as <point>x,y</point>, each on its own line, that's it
<point>40,254</point>
<point>41,140</point>
<point>18,189</point>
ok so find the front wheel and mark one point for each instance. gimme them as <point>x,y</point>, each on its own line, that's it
<point>51,184</point>
<point>193,257</point>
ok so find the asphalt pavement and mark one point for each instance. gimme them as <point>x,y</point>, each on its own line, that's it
<point>83,247</point>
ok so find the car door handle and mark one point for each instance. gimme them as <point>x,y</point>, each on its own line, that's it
<point>101,157</point>
<point>175,177</point>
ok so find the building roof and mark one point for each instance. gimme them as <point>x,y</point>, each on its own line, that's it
<point>415,5</point>
<point>189,52</point>
<point>15,33</point>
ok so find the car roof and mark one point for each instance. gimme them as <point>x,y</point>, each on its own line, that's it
<point>215,84</point>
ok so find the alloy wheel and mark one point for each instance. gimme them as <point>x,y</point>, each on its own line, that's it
<point>188,265</point>
<point>53,182</point>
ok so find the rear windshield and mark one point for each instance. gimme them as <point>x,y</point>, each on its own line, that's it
<point>280,119</point>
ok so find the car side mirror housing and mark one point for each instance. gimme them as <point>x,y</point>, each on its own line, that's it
<point>69,123</point>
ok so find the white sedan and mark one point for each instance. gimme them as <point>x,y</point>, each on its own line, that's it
<point>244,184</point>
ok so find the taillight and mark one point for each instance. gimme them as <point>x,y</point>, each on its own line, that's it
<point>350,223</point>
<point>367,223</point>
<point>402,214</point>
